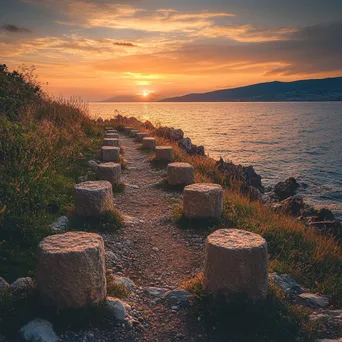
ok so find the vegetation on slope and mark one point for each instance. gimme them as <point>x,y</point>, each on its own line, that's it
<point>313,259</point>
<point>44,147</point>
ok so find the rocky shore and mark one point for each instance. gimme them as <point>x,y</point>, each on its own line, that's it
<point>281,198</point>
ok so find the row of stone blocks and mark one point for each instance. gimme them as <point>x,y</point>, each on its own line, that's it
<point>162,153</point>
<point>71,267</point>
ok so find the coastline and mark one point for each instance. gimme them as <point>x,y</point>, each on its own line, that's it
<point>282,197</point>
<point>279,140</point>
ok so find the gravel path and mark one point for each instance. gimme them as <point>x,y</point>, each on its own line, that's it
<point>152,251</point>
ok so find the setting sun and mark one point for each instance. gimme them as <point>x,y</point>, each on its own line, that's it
<point>145,93</point>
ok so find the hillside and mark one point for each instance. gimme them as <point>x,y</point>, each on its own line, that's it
<point>328,89</point>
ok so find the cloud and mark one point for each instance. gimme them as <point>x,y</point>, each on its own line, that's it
<point>125,44</point>
<point>122,15</point>
<point>15,29</point>
<point>247,33</point>
<point>307,51</point>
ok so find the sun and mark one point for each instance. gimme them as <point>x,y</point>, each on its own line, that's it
<point>145,93</point>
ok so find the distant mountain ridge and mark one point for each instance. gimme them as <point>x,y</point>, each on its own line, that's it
<point>327,89</point>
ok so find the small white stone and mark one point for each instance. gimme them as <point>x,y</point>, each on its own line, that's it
<point>4,286</point>
<point>22,284</point>
<point>39,330</point>
<point>60,225</point>
<point>126,282</point>
<point>315,300</point>
<point>117,308</point>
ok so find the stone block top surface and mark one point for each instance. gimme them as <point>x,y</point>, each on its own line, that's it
<point>110,148</point>
<point>70,242</point>
<point>93,185</point>
<point>149,139</point>
<point>236,239</point>
<point>203,187</point>
<point>163,148</point>
<point>109,165</point>
<point>180,164</point>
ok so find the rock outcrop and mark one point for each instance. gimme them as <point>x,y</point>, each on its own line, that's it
<point>286,189</point>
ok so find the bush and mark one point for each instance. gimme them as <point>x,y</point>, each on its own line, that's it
<point>44,147</point>
<point>17,90</point>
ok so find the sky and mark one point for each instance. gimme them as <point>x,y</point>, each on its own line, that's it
<point>97,49</point>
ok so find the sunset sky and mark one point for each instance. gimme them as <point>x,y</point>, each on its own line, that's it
<point>97,49</point>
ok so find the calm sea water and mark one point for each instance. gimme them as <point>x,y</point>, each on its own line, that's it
<point>303,140</point>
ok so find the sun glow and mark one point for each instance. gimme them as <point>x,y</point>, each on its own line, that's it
<point>145,93</point>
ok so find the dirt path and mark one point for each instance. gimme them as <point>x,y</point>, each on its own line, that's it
<point>153,252</point>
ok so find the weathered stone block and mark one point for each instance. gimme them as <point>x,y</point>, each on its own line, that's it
<point>133,133</point>
<point>93,198</point>
<point>110,154</point>
<point>203,200</point>
<point>149,143</point>
<point>71,270</point>
<point>180,174</point>
<point>127,130</point>
<point>112,135</point>
<point>164,153</point>
<point>141,136</point>
<point>236,263</point>
<point>110,172</point>
<point>111,142</point>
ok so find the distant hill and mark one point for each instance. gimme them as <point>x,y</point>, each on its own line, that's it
<point>133,98</point>
<point>328,89</point>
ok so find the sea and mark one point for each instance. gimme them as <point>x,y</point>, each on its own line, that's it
<point>299,139</point>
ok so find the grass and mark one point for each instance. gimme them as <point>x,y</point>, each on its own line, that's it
<point>16,310</point>
<point>110,221</point>
<point>113,289</point>
<point>245,320</point>
<point>44,148</point>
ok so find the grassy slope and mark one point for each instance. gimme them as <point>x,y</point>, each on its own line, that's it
<point>311,258</point>
<point>43,152</point>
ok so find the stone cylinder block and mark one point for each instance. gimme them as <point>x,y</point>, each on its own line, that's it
<point>133,133</point>
<point>110,172</point>
<point>112,135</point>
<point>203,200</point>
<point>149,143</point>
<point>127,130</point>
<point>110,154</point>
<point>93,198</point>
<point>180,174</point>
<point>236,264</point>
<point>71,270</point>
<point>141,136</point>
<point>111,142</point>
<point>164,153</point>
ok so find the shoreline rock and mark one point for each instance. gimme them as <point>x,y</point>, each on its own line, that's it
<point>283,194</point>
